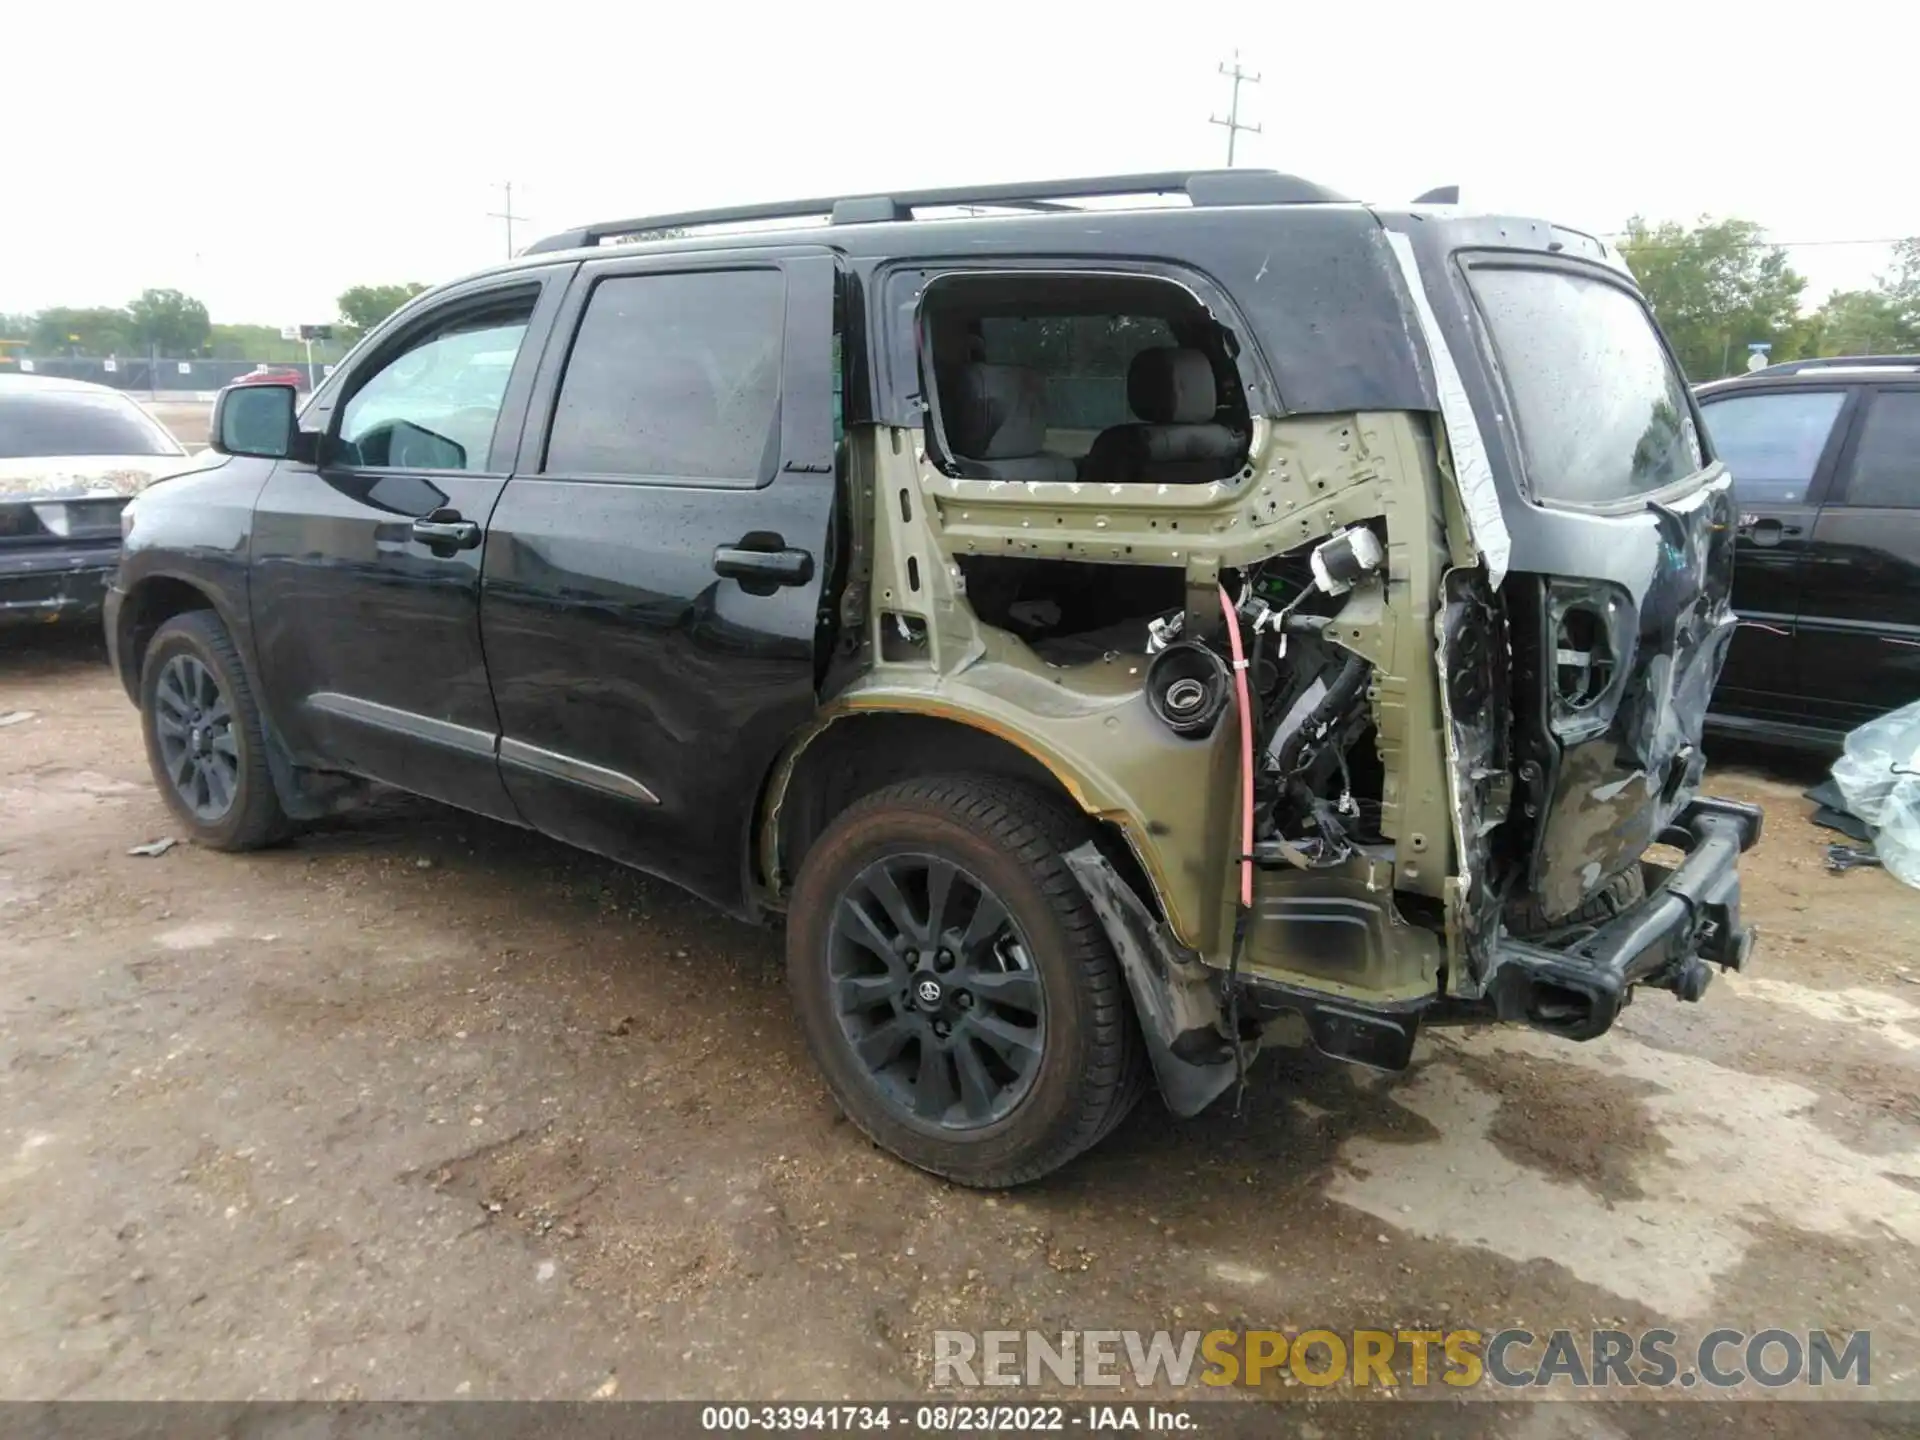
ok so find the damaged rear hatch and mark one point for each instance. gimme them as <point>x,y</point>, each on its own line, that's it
<point>1620,568</point>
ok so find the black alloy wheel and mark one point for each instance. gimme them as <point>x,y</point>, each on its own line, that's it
<point>193,723</point>
<point>935,990</point>
<point>206,739</point>
<point>954,984</point>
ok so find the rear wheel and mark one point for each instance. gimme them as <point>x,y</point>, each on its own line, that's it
<point>205,741</point>
<point>954,984</point>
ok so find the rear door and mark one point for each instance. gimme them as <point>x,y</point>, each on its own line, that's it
<point>1859,630</point>
<point>651,602</point>
<point>1781,447</point>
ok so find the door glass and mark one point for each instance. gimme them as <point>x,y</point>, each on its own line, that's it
<point>1772,443</point>
<point>675,377</point>
<point>1602,413</point>
<point>433,406</point>
<point>1886,462</point>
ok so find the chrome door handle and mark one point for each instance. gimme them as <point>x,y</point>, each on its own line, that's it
<point>760,572</point>
<point>444,529</point>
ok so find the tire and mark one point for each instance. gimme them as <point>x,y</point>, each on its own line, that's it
<point>1526,916</point>
<point>853,985</point>
<point>192,657</point>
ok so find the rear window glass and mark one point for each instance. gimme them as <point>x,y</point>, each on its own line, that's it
<point>1602,413</point>
<point>76,422</point>
<point>1773,443</point>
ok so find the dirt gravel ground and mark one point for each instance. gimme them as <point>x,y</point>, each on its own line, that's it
<point>420,1105</point>
<point>187,419</point>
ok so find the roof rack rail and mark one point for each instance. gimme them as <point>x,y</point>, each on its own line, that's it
<point>1842,362</point>
<point>1201,187</point>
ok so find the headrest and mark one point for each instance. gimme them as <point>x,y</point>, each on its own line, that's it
<point>1169,385</point>
<point>1000,412</point>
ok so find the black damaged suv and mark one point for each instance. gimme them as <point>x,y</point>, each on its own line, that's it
<point>1112,638</point>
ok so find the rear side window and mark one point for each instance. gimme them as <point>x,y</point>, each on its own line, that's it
<point>76,422</point>
<point>1886,461</point>
<point>1773,443</point>
<point>675,377</point>
<point>1602,413</point>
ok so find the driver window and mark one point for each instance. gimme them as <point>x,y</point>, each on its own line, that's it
<point>433,405</point>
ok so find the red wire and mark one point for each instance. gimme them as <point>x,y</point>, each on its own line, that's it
<point>1246,748</point>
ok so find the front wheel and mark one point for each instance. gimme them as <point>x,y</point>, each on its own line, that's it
<point>205,741</point>
<point>954,984</point>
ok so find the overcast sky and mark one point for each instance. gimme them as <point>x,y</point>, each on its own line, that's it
<point>265,156</point>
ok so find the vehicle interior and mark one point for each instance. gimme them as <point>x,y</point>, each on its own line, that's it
<point>1099,379</point>
<point>1078,379</point>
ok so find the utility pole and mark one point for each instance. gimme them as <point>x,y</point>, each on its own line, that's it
<point>506,213</point>
<point>1232,122</point>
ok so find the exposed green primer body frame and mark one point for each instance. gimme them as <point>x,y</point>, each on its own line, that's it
<point>1173,799</point>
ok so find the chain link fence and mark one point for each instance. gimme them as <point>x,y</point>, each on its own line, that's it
<point>160,377</point>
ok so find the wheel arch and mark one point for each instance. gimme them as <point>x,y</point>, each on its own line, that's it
<point>150,602</point>
<point>153,600</point>
<point>852,752</point>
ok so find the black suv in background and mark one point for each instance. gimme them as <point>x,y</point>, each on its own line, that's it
<point>1825,456</point>
<point>1111,639</point>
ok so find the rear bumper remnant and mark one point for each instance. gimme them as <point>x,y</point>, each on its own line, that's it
<point>1688,921</point>
<point>1573,982</point>
<point>43,583</point>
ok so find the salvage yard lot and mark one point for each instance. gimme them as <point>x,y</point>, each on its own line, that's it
<point>420,1105</point>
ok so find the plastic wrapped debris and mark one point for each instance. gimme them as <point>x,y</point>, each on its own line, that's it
<point>1879,777</point>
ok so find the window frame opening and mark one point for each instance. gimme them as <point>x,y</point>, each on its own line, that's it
<point>948,316</point>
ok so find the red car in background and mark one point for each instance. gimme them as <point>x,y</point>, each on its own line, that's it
<point>277,375</point>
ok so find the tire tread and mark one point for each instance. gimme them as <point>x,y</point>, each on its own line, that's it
<point>262,821</point>
<point>1036,831</point>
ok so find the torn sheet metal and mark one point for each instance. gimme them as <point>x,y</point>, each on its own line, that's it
<point>1172,994</point>
<point>1472,470</point>
<point>1473,647</point>
<point>1627,690</point>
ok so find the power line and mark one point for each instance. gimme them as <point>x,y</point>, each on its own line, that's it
<point>1232,122</point>
<point>506,213</point>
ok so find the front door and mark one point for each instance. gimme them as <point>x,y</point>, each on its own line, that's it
<point>1860,600</point>
<point>1780,446</point>
<point>652,594</point>
<point>366,565</point>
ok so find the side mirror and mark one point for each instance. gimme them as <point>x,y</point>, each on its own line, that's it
<point>254,420</point>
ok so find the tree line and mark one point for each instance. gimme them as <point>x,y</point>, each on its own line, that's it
<point>1717,287</point>
<point>175,325</point>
